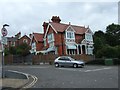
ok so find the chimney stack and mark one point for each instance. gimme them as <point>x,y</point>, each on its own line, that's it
<point>45,26</point>
<point>18,35</point>
<point>56,19</point>
<point>30,35</point>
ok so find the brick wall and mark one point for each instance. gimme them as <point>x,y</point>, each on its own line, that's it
<point>37,59</point>
<point>39,46</point>
<point>23,38</point>
<point>8,59</point>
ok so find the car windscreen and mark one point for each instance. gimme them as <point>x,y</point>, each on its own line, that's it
<point>64,58</point>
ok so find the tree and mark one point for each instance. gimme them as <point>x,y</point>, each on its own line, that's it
<point>107,44</point>
<point>12,50</point>
<point>113,34</point>
<point>6,51</point>
<point>99,40</point>
<point>108,52</point>
<point>23,49</point>
<point>118,51</point>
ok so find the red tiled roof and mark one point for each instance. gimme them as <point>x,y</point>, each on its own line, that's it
<point>25,36</point>
<point>62,27</point>
<point>38,37</point>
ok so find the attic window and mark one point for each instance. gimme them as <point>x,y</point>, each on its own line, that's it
<point>25,41</point>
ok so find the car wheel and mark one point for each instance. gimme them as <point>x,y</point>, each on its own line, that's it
<point>75,65</point>
<point>56,65</point>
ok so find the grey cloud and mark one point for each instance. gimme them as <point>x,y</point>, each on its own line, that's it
<point>28,17</point>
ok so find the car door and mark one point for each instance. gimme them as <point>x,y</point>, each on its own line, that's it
<point>68,61</point>
<point>61,61</point>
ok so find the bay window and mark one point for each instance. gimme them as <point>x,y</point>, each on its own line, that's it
<point>88,37</point>
<point>50,37</point>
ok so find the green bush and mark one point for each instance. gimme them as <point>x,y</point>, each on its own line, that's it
<point>108,52</point>
<point>118,51</point>
<point>21,50</point>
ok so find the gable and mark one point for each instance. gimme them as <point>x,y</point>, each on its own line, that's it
<point>36,37</point>
<point>33,39</point>
<point>24,37</point>
<point>89,31</point>
<point>70,29</point>
<point>60,27</point>
<point>50,29</point>
<point>84,41</point>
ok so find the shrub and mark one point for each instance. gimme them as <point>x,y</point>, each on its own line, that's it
<point>108,52</point>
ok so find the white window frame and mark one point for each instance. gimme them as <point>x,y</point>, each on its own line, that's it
<point>88,37</point>
<point>71,52</point>
<point>45,42</point>
<point>50,37</point>
<point>51,44</point>
<point>71,33</point>
<point>33,45</point>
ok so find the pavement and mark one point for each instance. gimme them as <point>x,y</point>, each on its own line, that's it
<point>11,83</point>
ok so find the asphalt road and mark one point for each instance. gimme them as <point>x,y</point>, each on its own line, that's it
<point>65,77</point>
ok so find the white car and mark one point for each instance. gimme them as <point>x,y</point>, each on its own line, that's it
<point>68,61</point>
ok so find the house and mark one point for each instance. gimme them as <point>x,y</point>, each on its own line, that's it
<point>66,39</point>
<point>24,39</point>
<point>17,40</point>
<point>36,43</point>
<point>13,41</point>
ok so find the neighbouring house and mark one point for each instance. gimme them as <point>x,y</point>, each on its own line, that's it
<point>13,41</point>
<point>36,43</point>
<point>65,39</point>
<point>17,40</point>
<point>24,39</point>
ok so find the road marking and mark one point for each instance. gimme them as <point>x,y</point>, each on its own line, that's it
<point>97,69</point>
<point>67,69</point>
<point>38,67</point>
<point>83,70</point>
<point>30,66</point>
<point>35,79</point>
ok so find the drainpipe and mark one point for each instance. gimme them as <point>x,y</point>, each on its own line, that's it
<point>62,45</point>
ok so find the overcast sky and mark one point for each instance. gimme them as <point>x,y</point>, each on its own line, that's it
<point>28,16</point>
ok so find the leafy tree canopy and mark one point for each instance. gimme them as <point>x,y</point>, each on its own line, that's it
<point>113,34</point>
<point>107,44</point>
